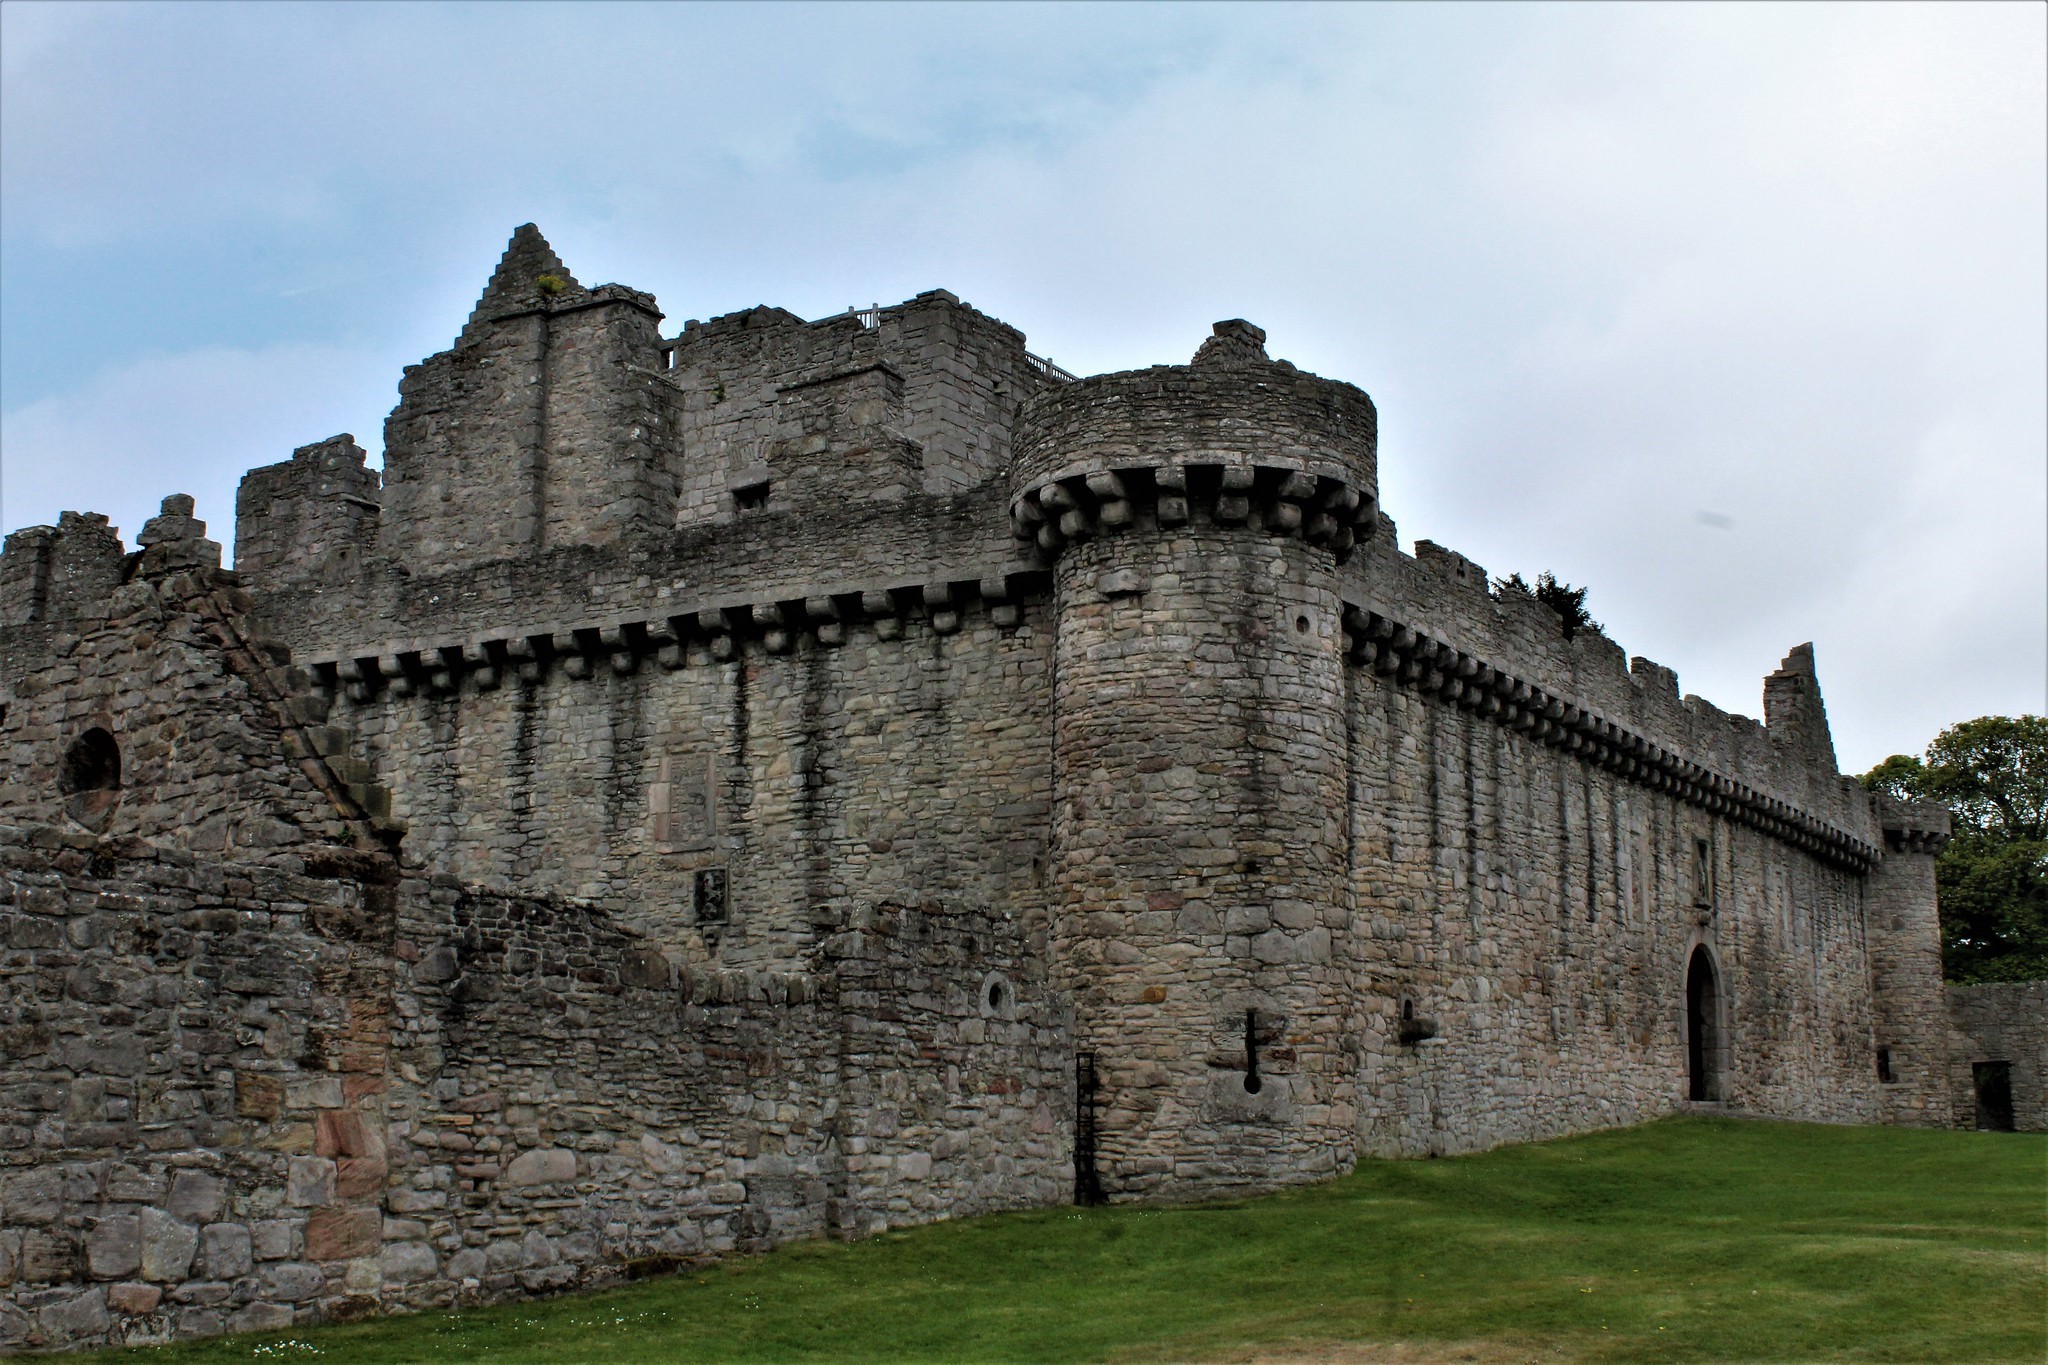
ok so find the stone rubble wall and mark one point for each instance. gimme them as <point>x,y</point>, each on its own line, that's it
<point>2004,1021</point>
<point>594,1109</point>
<point>213,728</point>
<point>193,1056</point>
<point>311,520</point>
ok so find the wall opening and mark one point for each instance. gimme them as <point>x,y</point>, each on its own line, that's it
<point>1702,1028</point>
<point>1252,1082</point>
<point>1994,1096</point>
<point>1087,1182</point>
<point>90,778</point>
<point>1702,872</point>
<point>1884,1066</point>
<point>709,896</point>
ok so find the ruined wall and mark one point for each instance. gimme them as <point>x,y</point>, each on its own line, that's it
<point>51,573</point>
<point>193,1056</point>
<point>593,1106</point>
<point>159,717</point>
<point>2004,1021</point>
<point>311,519</point>
<point>545,424</point>
<point>917,396</point>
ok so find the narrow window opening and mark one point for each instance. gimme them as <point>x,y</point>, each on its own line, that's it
<point>1884,1066</point>
<point>709,896</point>
<point>1087,1180</point>
<point>995,995</point>
<point>1252,1083</point>
<point>1702,872</point>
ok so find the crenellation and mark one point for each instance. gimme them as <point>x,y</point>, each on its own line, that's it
<point>799,778</point>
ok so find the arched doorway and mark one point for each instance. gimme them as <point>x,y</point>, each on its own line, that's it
<point>1702,1028</point>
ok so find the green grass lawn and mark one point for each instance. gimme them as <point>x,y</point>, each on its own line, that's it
<point>1690,1239</point>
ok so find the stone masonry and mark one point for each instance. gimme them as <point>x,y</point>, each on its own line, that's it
<point>801,778</point>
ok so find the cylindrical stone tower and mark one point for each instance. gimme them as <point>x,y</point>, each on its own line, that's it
<point>1195,517</point>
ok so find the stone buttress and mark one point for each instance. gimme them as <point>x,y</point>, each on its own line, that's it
<point>1195,515</point>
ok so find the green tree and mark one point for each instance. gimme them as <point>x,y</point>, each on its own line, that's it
<point>1992,879</point>
<point>1567,601</point>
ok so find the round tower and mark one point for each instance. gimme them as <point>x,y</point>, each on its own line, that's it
<point>1195,517</point>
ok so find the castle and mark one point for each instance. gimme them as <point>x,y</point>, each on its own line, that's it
<point>798,778</point>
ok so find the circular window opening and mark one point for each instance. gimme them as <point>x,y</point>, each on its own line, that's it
<point>1254,1083</point>
<point>90,778</point>
<point>1301,625</point>
<point>995,995</point>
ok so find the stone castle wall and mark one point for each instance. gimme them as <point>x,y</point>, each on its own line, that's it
<point>802,777</point>
<point>2005,1021</point>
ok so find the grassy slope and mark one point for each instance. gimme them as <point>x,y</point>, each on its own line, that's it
<point>1687,1239</point>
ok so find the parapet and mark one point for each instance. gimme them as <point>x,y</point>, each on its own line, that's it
<point>1912,826</point>
<point>309,519</point>
<point>1246,437</point>
<point>61,572</point>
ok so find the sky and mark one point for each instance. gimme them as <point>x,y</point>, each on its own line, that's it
<point>1733,314</point>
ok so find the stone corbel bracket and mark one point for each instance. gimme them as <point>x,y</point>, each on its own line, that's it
<point>1278,499</point>
<point>1436,668</point>
<point>678,638</point>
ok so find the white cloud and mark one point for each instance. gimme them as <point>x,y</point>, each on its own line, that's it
<point>191,422</point>
<point>1604,268</point>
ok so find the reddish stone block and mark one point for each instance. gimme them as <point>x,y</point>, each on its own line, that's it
<point>338,1234</point>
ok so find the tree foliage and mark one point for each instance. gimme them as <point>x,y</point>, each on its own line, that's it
<point>1992,775</point>
<point>1567,601</point>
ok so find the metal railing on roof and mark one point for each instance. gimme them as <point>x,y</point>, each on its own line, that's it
<point>1050,370</point>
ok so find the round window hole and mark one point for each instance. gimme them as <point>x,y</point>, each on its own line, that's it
<point>1301,625</point>
<point>1253,1084</point>
<point>995,995</point>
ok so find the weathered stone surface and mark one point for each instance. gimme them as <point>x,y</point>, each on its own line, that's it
<point>168,1246</point>
<point>309,1181</point>
<point>544,1167</point>
<point>225,1251</point>
<point>196,1196</point>
<point>334,1234</point>
<point>114,1247</point>
<point>809,777</point>
<point>134,1299</point>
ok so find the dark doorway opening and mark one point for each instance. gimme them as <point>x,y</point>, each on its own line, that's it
<point>1702,1028</point>
<point>1994,1096</point>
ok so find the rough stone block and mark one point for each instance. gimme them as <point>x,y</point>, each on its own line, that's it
<point>225,1251</point>
<point>337,1233</point>
<point>309,1181</point>
<point>543,1166</point>
<point>114,1247</point>
<point>168,1246</point>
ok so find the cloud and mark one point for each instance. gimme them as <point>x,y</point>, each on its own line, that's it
<point>1609,272</point>
<point>190,422</point>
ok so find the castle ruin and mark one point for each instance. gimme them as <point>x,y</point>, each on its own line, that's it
<point>797,778</point>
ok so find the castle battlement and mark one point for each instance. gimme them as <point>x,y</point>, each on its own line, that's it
<point>794,777</point>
